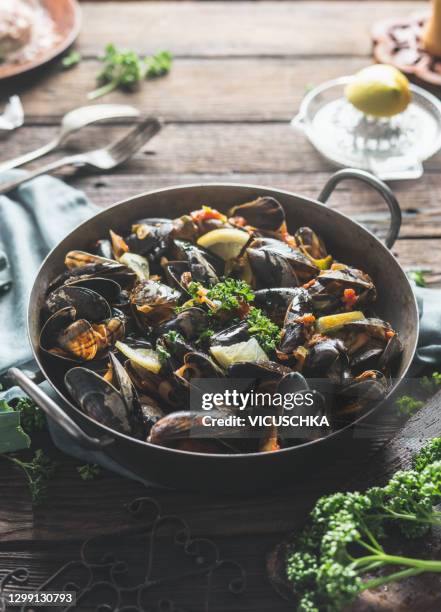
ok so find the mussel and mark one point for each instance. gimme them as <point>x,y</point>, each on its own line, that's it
<point>100,400</point>
<point>65,336</point>
<point>264,213</point>
<point>189,323</point>
<point>275,263</point>
<point>297,326</point>
<point>154,302</point>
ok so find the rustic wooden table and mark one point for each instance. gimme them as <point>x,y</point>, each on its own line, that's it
<point>240,71</point>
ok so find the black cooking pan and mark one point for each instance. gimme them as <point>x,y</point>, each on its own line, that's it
<point>344,238</point>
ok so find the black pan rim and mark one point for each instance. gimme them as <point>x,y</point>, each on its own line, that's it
<point>227,456</point>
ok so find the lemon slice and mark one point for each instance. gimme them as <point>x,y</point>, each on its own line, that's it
<point>242,351</point>
<point>380,91</point>
<point>226,243</point>
<point>334,322</point>
<point>144,357</point>
<point>137,263</point>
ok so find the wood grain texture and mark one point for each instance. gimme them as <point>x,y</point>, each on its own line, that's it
<point>238,28</point>
<point>242,89</point>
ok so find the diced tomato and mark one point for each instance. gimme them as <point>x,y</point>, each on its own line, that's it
<point>306,319</point>
<point>206,212</point>
<point>349,298</point>
<point>309,284</point>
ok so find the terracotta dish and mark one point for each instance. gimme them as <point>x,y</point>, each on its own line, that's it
<point>65,19</point>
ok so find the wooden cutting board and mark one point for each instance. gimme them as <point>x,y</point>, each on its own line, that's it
<point>416,594</point>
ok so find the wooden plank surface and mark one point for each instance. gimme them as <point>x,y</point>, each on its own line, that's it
<point>238,28</point>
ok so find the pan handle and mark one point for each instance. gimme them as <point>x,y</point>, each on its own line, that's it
<point>56,413</point>
<point>378,185</point>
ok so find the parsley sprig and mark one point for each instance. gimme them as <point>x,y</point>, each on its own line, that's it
<point>38,472</point>
<point>332,559</point>
<point>125,69</point>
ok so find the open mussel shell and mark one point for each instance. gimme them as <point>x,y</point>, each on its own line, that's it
<point>310,243</point>
<point>262,376</point>
<point>273,262</point>
<point>275,302</point>
<point>189,323</point>
<point>79,340</point>
<point>391,353</point>
<point>122,381</point>
<point>231,335</point>
<point>369,343</point>
<point>67,337</point>
<point>88,304</point>
<point>204,265</point>
<point>264,213</point>
<point>163,388</point>
<point>151,411</point>
<point>154,302</point>
<point>107,288</point>
<point>100,400</point>
<point>189,424</point>
<point>295,333</point>
<point>328,362</point>
<point>111,269</point>
<point>197,365</point>
<point>51,330</point>
<point>104,249</point>
<point>310,403</point>
<point>150,236</point>
<point>369,387</point>
<point>336,280</point>
<point>257,370</point>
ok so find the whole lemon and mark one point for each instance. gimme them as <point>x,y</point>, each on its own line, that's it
<point>379,90</point>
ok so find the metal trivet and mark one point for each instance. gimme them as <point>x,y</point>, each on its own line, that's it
<point>398,42</point>
<point>105,583</point>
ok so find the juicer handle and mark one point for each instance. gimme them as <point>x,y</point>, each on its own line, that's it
<point>378,185</point>
<point>58,415</point>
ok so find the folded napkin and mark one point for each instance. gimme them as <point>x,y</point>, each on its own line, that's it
<point>33,219</point>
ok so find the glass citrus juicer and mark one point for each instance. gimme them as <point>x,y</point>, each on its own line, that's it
<point>393,148</point>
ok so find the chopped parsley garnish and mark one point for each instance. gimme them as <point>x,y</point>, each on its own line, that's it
<point>173,336</point>
<point>263,329</point>
<point>162,352</point>
<point>231,293</point>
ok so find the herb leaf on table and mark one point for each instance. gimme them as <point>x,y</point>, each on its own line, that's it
<point>89,471</point>
<point>71,59</point>
<point>38,472</point>
<point>331,561</point>
<point>125,69</point>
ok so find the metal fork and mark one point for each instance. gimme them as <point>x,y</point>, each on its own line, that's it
<point>105,159</point>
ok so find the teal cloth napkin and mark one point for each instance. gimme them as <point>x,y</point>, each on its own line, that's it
<point>33,219</point>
